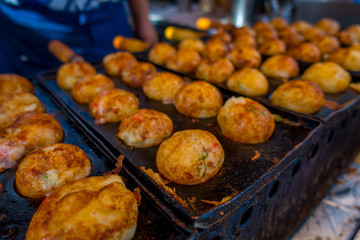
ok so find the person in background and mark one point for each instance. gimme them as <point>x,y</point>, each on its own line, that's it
<point>86,26</point>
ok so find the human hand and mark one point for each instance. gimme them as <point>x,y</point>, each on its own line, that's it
<point>146,32</point>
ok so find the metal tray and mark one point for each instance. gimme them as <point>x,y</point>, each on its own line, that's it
<point>18,211</point>
<point>240,177</point>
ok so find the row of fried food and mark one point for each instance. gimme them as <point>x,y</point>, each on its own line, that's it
<point>57,172</point>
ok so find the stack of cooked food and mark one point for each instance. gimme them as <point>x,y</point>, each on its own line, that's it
<point>56,172</point>
<point>246,57</point>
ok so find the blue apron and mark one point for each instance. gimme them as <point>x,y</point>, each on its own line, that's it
<point>25,32</point>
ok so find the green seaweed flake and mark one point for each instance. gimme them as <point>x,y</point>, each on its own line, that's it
<point>203,161</point>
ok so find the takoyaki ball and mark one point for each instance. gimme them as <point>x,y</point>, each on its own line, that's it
<point>69,73</point>
<point>246,121</point>
<point>215,72</point>
<point>329,76</point>
<point>290,36</point>
<point>215,49</point>
<point>13,105</point>
<point>244,30</point>
<point>244,57</point>
<point>244,41</point>
<point>90,208</point>
<point>313,33</point>
<point>184,61</point>
<point>348,58</point>
<point>161,52</point>
<point>261,26</point>
<point>145,128</point>
<point>265,35</point>
<point>163,87</point>
<point>280,67</point>
<point>199,99</point>
<point>248,82</point>
<point>190,157</point>
<point>115,63</point>
<point>305,51</point>
<point>113,105</point>
<point>330,26</point>
<point>272,47</point>
<point>193,44</point>
<point>223,36</point>
<point>87,88</point>
<point>299,96</point>
<point>350,35</point>
<point>279,23</point>
<point>137,74</point>
<point>50,167</point>
<point>326,44</point>
<point>355,47</point>
<point>13,83</point>
<point>301,26</point>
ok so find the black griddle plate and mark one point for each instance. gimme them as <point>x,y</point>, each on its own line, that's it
<point>18,210</point>
<point>239,172</point>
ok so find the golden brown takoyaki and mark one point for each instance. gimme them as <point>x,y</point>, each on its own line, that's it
<point>215,49</point>
<point>145,128</point>
<point>305,51</point>
<point>184,61</point>
<point>280,67</point>
<point>161,52</point>
<point>244,57</point>
<point>215,72</point>
<point>115,63</point>
<point>13,83</point>
<point>137,74</point>
<point>329,26</point>
<point>69,73</point>
<point>190,157</point>
<point>272,47</point>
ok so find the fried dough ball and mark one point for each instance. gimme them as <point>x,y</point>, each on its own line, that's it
<point>272,47</point>
<point>69,73</point>
<point>301,26</point>
<point>261,26</point>
<point>244,30</point>
<point>280,67</point>
<point>215,49</point>
<point>244,41</point>
<point>145,128</point>
<point>163,87</point>
<point>113,105</point>
<point>193,44</point>
<point>199,99</point>
<point>290,36</point>
<point>222,35</point>
<point>86,89</point>
<point>329,76</point>
<point>326,44</point>
<point>215,72</point>
<point>348,58</point>
<point>355,47</point>
<point>47,168</point>
<point>266,35</point>
<point>90,208</point>
<point>244,57</point>
<point>190,157</point>
<point>184,61</point>
<point>115,63</point>
<point>13,105</point>
<point>279,23</point>
<point>350,35</point>
<point>299,96</point>
<point>313,33</point>
<point>161,52</point>
<point>137,74</point>
<point>246,121</point>
<point>13,83</point>
<point>305,51</point>
<point>249,82</point>
<point>27,132</point>
<point>330,26</point>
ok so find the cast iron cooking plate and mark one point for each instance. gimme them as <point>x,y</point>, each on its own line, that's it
<point>18,210</point>
<point>322,115</point>
<point>239,172</point>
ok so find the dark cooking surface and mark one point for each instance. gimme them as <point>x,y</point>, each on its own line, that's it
<point>239,172</point>
<point>18,211</point>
